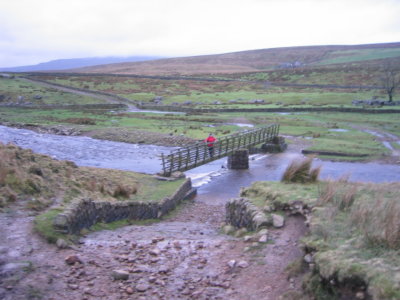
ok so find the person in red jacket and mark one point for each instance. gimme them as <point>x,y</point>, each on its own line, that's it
<point>210,144</point>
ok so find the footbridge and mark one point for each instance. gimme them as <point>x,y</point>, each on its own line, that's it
<point>198,154</point>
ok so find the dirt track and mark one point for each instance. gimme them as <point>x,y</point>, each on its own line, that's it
<point>182,257</point>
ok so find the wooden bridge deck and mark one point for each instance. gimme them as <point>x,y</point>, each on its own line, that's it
<point>198,154</point>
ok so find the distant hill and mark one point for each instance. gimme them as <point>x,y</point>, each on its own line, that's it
<point>64,64</point>
<point>253,60</point>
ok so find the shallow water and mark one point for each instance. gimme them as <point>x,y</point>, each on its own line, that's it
<point>224,183</point>
<point>86,151</point>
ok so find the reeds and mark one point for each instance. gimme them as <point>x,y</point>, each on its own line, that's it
<point>340,193</point>
<point>301,172</point>
<point>373,210</point>
<point>379,218</point>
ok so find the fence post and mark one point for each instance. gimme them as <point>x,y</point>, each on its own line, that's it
<point>187,157</point>
<point>163,163</point>
<point>180,159</point>
<point>197,155</point>
<point>172,163</point>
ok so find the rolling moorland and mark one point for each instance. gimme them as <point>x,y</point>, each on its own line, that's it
<point>309,91</point>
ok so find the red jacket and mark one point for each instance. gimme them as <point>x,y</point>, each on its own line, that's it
<point>210,141</point>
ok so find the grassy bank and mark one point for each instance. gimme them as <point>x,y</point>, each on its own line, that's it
<point>36,182</point>
<point>354,235</point>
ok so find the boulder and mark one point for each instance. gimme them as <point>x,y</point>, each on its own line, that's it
<point>278,221</point>
<point>62,244</point>
<point>260,220</point>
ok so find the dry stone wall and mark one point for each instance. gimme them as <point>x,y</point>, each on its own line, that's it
<point>87,212</point>
<point>241,213</point>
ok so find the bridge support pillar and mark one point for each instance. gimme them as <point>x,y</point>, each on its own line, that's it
<point>277,144</point>
<point>239,159</point>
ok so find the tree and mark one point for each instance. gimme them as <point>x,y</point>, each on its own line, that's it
<point>390,78</point>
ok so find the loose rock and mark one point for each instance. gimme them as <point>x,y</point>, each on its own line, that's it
<point>142,287</point>
<point>232,263</point>
<point>243,264</point>
<point>62,244</point>
<point>263,239</point>
<point>72,259</point>
<point>120,275</point>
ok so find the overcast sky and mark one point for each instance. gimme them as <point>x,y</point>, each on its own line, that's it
<point>34,31</point>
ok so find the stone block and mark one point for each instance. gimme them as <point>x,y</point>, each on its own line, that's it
<point>239,159</point>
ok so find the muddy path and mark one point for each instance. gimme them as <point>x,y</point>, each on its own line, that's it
<point>182,257</point>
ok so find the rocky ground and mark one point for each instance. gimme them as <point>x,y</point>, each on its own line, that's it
<point>182,257</point>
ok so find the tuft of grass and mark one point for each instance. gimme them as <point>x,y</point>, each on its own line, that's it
<point>296,267</point>
<point>301,172</point>
<point>123,191</point>
<point>43,225</point>
<point>33,292</point>
<point>378,220</point>
<point>339,193</point>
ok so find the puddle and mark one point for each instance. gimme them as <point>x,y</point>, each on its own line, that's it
<point>338,130</point>
<point>241,124</point>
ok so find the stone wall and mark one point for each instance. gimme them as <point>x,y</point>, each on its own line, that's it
<point>87,212</point>
<point>265,109</point>
<point>241,213</point>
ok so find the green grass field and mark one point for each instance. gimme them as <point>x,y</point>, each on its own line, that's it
<point>201,93</point>
<point>16,91</point>
<point>340,57</point>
